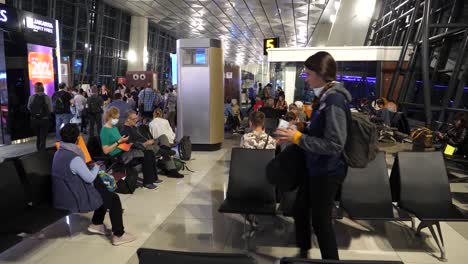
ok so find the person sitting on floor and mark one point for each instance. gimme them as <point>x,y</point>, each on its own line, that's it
<point>78,189</point>
<point>258,138</point>
<point>150,147</point>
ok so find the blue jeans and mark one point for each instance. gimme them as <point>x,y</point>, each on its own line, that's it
<point>59,120</point>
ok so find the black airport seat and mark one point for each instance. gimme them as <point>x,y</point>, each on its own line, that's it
<point>326,261</point>
<point>8,240</point>
<point>286,206</point>
<point>424,191</point>
<point>152,256</point>
<point>248,191</point>
<point>95,150</point>
<point>366,193</point>
<point>37,169</point>
<point>18,216</point>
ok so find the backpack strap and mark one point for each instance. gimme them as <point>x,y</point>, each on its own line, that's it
<point>266,143</point>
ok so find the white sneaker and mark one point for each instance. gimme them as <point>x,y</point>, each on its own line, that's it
<point>98,229</point>
<point>125,238</point>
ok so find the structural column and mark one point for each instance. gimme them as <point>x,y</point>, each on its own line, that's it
<point>138,50</point>
<point>352,23</point>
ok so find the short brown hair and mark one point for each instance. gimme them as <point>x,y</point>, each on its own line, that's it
<point>290,116</point>
<point>112,112</point>
<point>38,87</point>
<point>257,118</point>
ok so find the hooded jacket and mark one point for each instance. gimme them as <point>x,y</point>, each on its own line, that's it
<point>325,137</point>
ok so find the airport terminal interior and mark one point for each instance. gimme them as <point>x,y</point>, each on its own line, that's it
<point>234,131</point>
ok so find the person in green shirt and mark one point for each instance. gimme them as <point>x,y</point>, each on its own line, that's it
<point>111,139</point>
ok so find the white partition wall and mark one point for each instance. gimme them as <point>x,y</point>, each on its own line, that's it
<point>200,106</point>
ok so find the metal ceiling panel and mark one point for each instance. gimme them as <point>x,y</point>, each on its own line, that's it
<point>241,24</point>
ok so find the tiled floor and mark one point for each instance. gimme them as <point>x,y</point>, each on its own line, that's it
<point>182,215</point>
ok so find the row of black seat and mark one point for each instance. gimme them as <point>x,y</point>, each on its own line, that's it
<point>26,197</point>
<point>147,256</point>
<point>367,194</point>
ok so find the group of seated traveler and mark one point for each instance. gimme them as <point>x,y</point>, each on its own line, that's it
<point>77,186</point>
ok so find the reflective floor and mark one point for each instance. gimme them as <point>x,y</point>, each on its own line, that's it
<point>182,215</point>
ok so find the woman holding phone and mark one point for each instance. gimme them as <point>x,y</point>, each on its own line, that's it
<point>323,143</point>
<point>114,144</point>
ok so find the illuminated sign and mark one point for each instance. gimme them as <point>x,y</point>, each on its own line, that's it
<point>8,18</point>
<point>41,68</point>
<point>39,25</point>
<point>270,43</point>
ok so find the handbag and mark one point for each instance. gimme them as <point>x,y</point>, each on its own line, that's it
<point>287,169</point>
<point>108,180</point>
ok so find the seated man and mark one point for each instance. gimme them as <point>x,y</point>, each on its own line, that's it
<point>457,135</point>
<point>151,147</point>
<point>383,114</point>
<point>258,138</point>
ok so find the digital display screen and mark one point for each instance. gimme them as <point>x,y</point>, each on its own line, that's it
<point>200,56</point>
<point>41,68</point>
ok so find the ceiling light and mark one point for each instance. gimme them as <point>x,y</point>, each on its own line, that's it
<point>337,5</point>
<point>332,18</point>
<point>131,56</point>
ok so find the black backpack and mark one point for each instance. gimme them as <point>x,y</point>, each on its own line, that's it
<point>59,105</point>
<point>185,148</point>
<point>127,184</point>
<point>94,105</point>
<point>361,145</point>
<point>39,108</point>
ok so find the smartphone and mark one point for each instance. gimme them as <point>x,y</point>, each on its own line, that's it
<point>283,123</point>
<point>124,135</point>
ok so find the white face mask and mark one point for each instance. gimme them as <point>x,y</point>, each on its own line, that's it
<point>114,121</point>
<point>318,91</point>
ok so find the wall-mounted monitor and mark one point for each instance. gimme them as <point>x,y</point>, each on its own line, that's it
<point>41,68</point>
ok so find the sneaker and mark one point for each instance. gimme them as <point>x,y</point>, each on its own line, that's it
<point>158,181</point>
<point>150,186</point>
<point>125,238</point>
<point>98,229</point>
<point>174,174</point>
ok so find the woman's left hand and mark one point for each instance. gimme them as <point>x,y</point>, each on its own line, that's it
<point>285,134</point>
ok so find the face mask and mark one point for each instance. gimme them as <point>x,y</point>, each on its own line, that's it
<point>114,121</point>
<point>318,91</point>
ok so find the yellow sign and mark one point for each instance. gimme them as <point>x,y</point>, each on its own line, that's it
<point>270,43</point>
<point>449,150</point>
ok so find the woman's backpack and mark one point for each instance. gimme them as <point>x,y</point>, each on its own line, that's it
<point>185,148</point>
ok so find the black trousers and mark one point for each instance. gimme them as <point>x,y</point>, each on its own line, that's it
<point>111,202</point>
<point>41,129</point>
<point>95,120</point>
<point>315,200</point>
<point>150,171</point>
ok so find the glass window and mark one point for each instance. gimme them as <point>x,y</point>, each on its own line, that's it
<point>195,56</point>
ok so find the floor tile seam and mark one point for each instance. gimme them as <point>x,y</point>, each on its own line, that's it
<point>188,193</point>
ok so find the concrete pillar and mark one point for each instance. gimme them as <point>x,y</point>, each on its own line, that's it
<point>352,22</point>
<point>321,34</point>
<point>289,83</point>
<point>138,52</point>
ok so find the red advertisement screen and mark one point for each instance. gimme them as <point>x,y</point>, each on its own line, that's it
<point>41,68</point>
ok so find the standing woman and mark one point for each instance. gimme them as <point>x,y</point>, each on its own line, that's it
<point>323,143</point>
<point>40,107</point>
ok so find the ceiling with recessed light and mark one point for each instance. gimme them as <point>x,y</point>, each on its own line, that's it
<point>241,24</point>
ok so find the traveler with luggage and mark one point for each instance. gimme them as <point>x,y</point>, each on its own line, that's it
<point>77,187</point>
<point>94,111</point>
<point>62,100</point>
<point>323,143</point>
<point>40,107</point>
<point>114,144</point>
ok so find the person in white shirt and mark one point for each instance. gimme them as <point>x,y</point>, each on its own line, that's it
<point>160,126</point>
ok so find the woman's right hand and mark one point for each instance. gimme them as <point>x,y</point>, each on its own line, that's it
<point>123,139</point>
